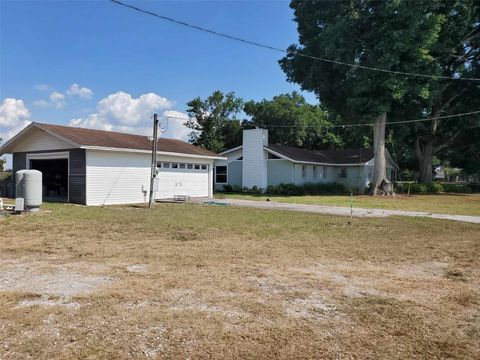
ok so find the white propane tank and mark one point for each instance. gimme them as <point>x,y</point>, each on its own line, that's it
<point>28,185</point>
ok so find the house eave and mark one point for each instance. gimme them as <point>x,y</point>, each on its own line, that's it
<point>139,151</point>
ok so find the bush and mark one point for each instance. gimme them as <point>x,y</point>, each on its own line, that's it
<point>227,188</point>
<point>433,188</point>
<point>307,189</point>
<point>457,188</point>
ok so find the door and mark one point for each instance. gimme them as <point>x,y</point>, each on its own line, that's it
<point>182,179</point>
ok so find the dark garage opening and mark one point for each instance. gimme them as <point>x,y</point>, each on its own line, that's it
<point>55,178</point>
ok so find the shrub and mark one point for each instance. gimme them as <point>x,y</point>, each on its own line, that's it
<point>433,188</point>
<point>307,189</point>
<point>457,188</point>
<point>227,188</point>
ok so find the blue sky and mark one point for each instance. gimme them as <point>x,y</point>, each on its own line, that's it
<point>92,61</point>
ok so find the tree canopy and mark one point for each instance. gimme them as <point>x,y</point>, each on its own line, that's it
<point>214,121</point>
<point>393,35</point>
<point>291,121</point>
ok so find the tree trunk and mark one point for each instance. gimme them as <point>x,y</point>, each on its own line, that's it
<point>424,152</point>
<point>380,164</point>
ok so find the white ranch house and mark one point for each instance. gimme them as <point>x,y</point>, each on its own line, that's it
<point>258,163</point>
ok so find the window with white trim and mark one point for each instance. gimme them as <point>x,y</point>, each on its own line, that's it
<point>221,174</point>
<point>304,171</point>
<point>324,172</point>
<point>342,173</point>
<point>315,171</point>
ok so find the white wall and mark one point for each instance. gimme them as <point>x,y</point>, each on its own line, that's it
<point>114,177</point>
<point>39,140</point>
<point>280,172</point>
<point>255,158</point>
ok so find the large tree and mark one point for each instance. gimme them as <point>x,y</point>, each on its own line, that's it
<point>291,121</point>
<point>394,35</point>
<point>214,121</point>
<point>455,53</point>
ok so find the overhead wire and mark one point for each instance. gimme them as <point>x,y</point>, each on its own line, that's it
<point>273,48</point>
<point>363,124</point>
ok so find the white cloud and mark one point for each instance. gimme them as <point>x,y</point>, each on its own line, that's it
<point>56,96</point>
<point>41,103</point>
<point>14,116</point>
<point>121,112</point>
<point>80,91</point>
<point>173,125</point>
<point>13,112</point>
<point>57,99</point>
<point>42,87</point>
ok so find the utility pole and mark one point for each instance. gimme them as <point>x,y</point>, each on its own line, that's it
<point>153,173</point>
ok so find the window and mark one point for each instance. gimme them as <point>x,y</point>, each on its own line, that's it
<point>166,165</point>
<point>315,171</point>
<point>221,174</point>
<point>197,167</point>
<point>189,166</point>
<point>204,167</point>
<point>342,173</point>
<point>182,166</point>
<point>324,172</point>
<point>304,170</point>
<point>174,166</point>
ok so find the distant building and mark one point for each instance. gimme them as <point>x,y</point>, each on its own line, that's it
<point>258,163</point>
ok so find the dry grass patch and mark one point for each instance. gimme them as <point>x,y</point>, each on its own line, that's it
<point>188,281</point>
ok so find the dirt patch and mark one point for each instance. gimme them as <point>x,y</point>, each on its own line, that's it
<point>45,278</point>
<point>46,301</point>
<point>313,307</point>
<point>136,268</point>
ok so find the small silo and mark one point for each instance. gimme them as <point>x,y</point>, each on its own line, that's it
<point>28,185</point>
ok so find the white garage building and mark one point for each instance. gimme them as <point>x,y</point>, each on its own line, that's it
<point>95,167</point>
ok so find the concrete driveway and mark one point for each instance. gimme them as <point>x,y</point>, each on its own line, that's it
<point>337,210</point>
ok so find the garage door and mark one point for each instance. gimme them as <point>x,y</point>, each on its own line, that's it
<point>182,179</point>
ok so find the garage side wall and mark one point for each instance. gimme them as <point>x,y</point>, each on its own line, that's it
<point>117,177</point>
<point>76,184</point>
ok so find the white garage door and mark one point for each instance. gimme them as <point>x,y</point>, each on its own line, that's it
<point>182,179</point>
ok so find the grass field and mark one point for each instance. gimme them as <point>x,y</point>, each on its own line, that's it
<point>460,204</point>
<point>191,281</point>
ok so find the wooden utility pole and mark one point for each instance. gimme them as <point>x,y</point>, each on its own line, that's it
<point>153,173</point>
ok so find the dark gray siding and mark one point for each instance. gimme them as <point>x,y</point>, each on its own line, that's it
<point>19,161</point>
<point>77,181</point>
<point>77,184</point>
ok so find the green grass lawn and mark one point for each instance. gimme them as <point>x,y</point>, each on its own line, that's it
<point>195,281</point>
<point>460,204</point>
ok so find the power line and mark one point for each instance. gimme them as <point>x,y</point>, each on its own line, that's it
<point>361,124</point>
<point>386,123</point>
<point>265,46</point>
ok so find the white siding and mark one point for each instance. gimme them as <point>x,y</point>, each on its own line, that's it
<point>122,177</point>
<point>234,171</point>
<point>39,140</point>
<point>116,177</point>
<point>255,158</point>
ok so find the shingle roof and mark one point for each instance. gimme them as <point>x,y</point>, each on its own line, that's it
<point>344,156</point>
<point>111,139</point>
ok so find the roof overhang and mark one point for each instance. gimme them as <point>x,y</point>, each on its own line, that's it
<point>231,150</point>
<point>139,151</point>
<point>280,155</point>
